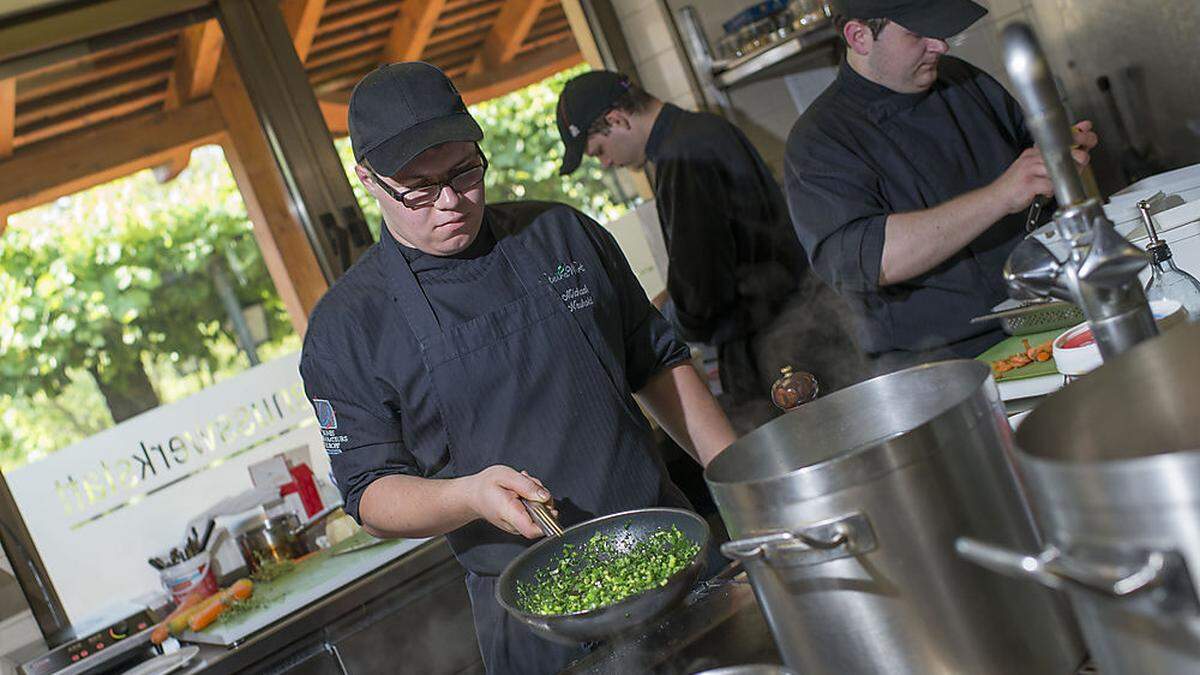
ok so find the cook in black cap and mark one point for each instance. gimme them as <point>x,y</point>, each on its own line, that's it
<point>908,180</point>
<point>737,277</point>
<point>481,353</point>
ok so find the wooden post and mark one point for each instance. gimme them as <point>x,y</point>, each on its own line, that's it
<point>280,234</point>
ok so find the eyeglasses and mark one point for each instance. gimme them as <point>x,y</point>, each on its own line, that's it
<point>426,195</point>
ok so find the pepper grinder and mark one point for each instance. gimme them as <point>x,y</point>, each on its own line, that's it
<point>1167,282</point>
<point>793,389</point>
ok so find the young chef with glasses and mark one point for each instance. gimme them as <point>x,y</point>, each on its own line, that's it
<point>484,352</point>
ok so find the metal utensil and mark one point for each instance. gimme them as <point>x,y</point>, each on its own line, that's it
<point>208,530</point>
<point>542,516</point>
<point>626,529</point>
<point>1035,212</point>
<point>1035,317</point>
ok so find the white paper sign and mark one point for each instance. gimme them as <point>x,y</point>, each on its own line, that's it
<point>98,509</point>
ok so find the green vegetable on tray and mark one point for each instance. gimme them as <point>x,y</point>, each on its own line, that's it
<point>602,571</point>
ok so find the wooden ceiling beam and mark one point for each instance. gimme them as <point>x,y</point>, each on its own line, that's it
<point>544,41</point>
<point>327,41</point>
<point>508,33</point>
<point>120,107</point>
<point>36,87</point>
<point>100,58</point>
<point>448,34</point>
<point>360,17</point>
<point>326,73</point>
<point>302,18</point>
<point>412,29</point>
<point>316,61</point>
<point>54,106</point>
<point>449,19</point>
<point>334,85</point>
<point>8,116</point>
<point>442,49</point>
<point>103,153</point>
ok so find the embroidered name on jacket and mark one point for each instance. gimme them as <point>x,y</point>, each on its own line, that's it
<point>577,297</point>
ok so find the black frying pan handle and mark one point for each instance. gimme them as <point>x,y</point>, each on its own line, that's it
<point>543,518</point>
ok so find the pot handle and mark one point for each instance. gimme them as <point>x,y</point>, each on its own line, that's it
<point>1159,582</point>
<point>843,537</point>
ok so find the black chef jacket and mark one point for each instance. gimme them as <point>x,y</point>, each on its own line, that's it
<point>524,350</point>
<point>733,257</point>
<point>861,152</point>
<point>360,358</point>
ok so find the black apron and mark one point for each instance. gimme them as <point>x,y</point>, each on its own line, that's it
<point>525,386</point>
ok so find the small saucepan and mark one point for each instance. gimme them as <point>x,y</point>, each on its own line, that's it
<point>269,539</point>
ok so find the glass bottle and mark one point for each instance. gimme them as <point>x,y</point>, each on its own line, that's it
<point>1167,281</point>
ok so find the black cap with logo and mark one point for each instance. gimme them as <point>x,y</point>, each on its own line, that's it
<point>400,110</point>
<point>584,99</point>
<point>938,19</point>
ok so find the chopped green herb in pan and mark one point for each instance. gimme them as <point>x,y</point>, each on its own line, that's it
<point>602,572</point>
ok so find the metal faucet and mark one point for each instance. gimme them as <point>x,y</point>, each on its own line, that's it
<point>1083,259</point>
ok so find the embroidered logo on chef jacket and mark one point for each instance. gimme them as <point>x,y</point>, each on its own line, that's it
<point>325,415</point>
<point>578,296</point>
<point>327,420</point>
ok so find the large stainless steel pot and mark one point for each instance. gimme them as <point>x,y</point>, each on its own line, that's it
<point>1112,465</point>
<point>845,512</point>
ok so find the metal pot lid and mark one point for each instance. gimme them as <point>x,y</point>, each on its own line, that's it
<point>853,434</point>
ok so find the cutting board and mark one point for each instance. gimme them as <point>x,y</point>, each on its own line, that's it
<point>1013,345</point>
<point>311,580</point>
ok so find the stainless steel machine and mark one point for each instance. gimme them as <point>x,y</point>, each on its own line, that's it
<point>1083,260</point>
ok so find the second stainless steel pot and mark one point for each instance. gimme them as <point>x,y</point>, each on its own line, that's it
<point>845,513</point>
<point>1113,468</point>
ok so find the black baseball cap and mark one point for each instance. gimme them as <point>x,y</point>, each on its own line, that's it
<point>584,99</point>
<point>939,19</point>
<point>400,110</point>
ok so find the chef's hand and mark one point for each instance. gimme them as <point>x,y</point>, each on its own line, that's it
<point>1027,177</point>
<point>1024,179</point>
<point>495,496</point>
<point>1085,138</point>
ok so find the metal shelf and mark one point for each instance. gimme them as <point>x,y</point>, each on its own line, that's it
<point>716,78</point>
<point>750,66</point>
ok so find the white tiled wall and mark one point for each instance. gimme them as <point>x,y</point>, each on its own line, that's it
<point>980,44</point>
<point>661,65</point>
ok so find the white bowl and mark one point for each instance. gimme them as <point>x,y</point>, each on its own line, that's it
<point>1076,352</point>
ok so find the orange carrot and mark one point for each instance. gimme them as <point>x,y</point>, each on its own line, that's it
<point>177,619</point>
<point>212,608</point>
<point>206,615</point>
<point>241,589</point>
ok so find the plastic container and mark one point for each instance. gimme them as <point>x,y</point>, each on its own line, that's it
<point>193,574</point>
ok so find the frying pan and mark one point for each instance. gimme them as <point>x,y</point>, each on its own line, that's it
<point>626,529</point>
